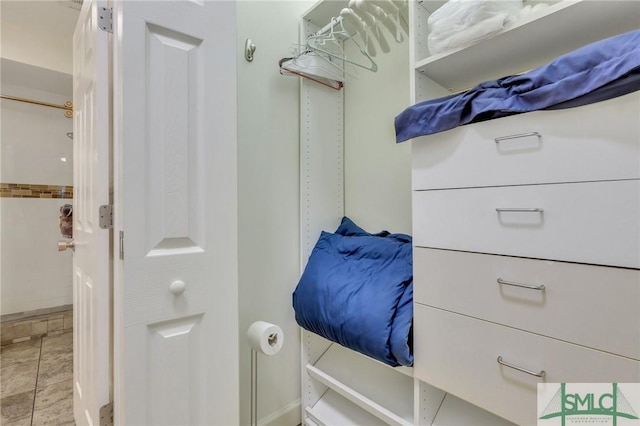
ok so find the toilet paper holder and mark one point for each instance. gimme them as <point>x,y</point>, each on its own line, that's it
<point>259,333</point>
<point>272,339</point>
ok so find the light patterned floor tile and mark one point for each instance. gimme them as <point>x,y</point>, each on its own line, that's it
<point>17,353</point>
<point>51,360</point>
<point>55,367</point>
<point>16,410</point>
<point>18,378</point>
<point>62,342</point>
<point>54,405</point>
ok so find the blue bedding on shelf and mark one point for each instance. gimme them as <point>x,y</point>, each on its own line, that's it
<point>357,290</point>
<point>596,72</point>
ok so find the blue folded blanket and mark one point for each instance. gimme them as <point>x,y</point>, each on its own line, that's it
<point>357,290</point>
<point>595,72</point>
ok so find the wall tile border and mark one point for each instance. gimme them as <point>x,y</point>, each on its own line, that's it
<point>29,190</point>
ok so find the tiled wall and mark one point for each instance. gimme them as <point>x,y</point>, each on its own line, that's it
<point>28,190</point>
<point>26,329</point>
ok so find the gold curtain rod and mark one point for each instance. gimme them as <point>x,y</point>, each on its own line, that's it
<point>67,107</point>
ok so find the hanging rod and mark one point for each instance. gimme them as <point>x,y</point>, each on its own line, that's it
<point>327,28</point>
<point>67,107</point>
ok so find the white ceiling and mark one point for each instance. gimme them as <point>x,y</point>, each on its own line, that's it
<point>38,32</point>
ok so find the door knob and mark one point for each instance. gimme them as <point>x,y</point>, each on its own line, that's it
<point>177,287</point>
<point>66,245</point>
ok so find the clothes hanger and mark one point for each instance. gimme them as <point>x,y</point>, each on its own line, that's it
<point>367,6</point>
<point>324,43</point>
<point>371,24</point>
<point>328,46</point>
<point>285,65</point>
<point>403,13</point>
<point>350,18</point>
<point>311,64</point>
<point>387,5</point>
<point>393,14</point>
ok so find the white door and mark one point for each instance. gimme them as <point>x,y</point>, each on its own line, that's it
<point>91,268</point>
<point>176,307</point>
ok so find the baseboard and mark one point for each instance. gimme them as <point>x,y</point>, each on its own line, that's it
<point>287,416</point>
<point>37,313</point>
<point>24,326</point>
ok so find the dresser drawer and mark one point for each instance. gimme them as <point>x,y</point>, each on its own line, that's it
<point>600,141</point>
<point>459,354</point>
<point>591,222</point>
<point>569,307</point>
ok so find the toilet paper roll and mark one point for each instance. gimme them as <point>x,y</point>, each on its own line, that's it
<point>265,337</point>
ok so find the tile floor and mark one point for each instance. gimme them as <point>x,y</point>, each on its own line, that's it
<point>36,378</point>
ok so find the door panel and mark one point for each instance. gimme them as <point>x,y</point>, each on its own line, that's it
<point>175,90</point>
<point>91,271</point>
<point>176,292</point>
<point>178,343</point>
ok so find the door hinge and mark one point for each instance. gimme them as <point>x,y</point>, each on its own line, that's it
<point>121,245</point>
<point>106,216</point>
<point>105,19</point>
<point>106,415</point>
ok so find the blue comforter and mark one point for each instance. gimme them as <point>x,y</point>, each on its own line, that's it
<point>596,72</point>
<point>357,290</point>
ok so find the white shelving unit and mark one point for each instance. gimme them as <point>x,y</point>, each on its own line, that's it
<point>342,387</point>
<point>558,29</point>
<point>358,379</point>
<point>456,412</point>
<point>339,386</point>
<point>332,409</point>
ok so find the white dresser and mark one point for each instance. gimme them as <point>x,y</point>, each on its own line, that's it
<point>527,251</point>
<point>528,257</point>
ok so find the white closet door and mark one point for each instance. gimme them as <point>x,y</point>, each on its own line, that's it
<point>176,286</point>
<point>91,274</point>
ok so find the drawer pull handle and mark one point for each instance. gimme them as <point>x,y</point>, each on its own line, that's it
<point>542,373</point>
<point>521,135</point>
<point>526,210</point>
<point>532,287</point>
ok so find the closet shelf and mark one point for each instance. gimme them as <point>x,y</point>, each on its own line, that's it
<point>357,398</point>
<point>357,378</point>
<point>332,409</point>
<point>321,12</point>
<point>532,42</point>
<point>455,411</point>
<point>308,421</point>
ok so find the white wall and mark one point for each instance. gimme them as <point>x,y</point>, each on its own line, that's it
<point>268,197</point>
<point>377,170</point>
<point>33,274</point>
<point>38,32</point>
<point>378,185</point>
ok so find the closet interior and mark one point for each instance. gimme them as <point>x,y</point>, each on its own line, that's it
<point>449,384</point>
